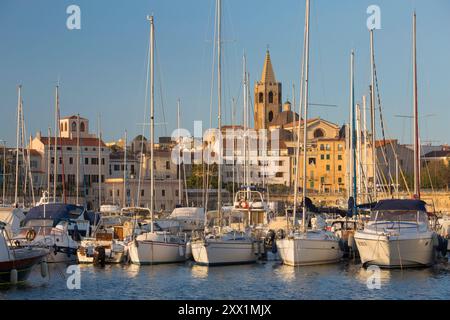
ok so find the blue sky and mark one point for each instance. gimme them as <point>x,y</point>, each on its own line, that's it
<point>102,67</point>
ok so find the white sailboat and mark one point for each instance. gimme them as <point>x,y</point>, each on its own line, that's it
<point>226,246</point>
<point>313,246</point>
<point>155,247</point>
<point>398,233</point>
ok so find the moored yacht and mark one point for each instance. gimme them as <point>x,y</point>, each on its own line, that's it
<point>397,235</point>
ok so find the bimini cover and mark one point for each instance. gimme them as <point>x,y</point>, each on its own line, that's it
<point>188,212</point>
<point>55,212</point>
<point>400,205</point>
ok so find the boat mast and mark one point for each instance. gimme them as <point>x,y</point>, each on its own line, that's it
<point>19,104</point>
<point>366,187</point>
<point>152,114</point>
<point>244,90</point>
<point>55,147</point>
<point>297,149</point>
<point>416,117</point>
<point>353,143</point>
<point>48,163</point>
<point>78,157</point>
<point>179,152</point>
<point>125,171</point>
<point>99,134</point>
<point>4,173</point>
<point>372,118</point>
<point>305,115</point>
<point>219,116</point>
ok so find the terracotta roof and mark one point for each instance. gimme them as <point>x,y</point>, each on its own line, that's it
<point>438,154</point>
<point>295,123</point>
<point>284,118</point>
<point>84,142</point>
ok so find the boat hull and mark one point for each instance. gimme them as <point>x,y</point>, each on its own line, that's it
<point>395,252</point>
<point>22,265</point>
<point>214,253</point>
<point>304,252</point>
<point>144,252</point>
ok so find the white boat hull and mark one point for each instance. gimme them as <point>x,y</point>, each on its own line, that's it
<point>303,252</point>
<point>212,252</point>
<point>395,252</point>
<point>151,252</point>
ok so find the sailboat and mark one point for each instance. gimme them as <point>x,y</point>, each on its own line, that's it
<point>307,246</point>
<point>153,247</point>
<point>226,246</point>
<point>398,233</point>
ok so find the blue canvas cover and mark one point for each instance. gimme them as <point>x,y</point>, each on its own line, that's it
<point>400,205</point>
<point>55,212</point>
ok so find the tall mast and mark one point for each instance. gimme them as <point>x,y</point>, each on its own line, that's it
<point>99,134</point>
<point>372,117</point>
<point>55,146</point>
<point>179,153</point>
<point>297,149</point>
<point>416,117</point>
<point>352,102</point>
<point>4,173</point>
<point>244,91</point>
<point>48,163</point>
<point>125,172</point>
<point>233,115</point>
<point>78,158</point>
<point>366,189</point>
<point>219,102</point>
<point>305,116</point>
<point>152,115</point>
<point>19,107</point>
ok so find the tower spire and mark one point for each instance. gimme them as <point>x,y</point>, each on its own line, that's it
<point>268,76</point>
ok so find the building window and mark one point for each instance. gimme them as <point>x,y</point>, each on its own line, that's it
<point>312,161</point>
<point>85,149</point>
<point>311,184</point>
<point>322,147</point>
<point>322,180</point>
<point>339,156</point>
<point>279,175</point>
<point>117,167</point>
<point>69,148</point>
<point>322,157</point>
<point>261,97</point>
<point>118,193</point>
<point>339,168</point>
<point>70,160</point>
<point>327,167</point>
<point>86,161</point>
<point>60,160</point>
<point>318,133</point>
<point>82,127</point>
<point>53,160</point>
<point>339,180</point>
<point>103,161</point>
<point>270,116</point>
<point>328,157</point>
<point>110,193</point>
<point>168,165</point>
<point>94,161</point>
<point>270,97</point>
<point>177,193</point>
<point>340,147</point>
<point>328,147</point>
<point>142,192</point>
<point>74,126</point>
<point>163,192</point>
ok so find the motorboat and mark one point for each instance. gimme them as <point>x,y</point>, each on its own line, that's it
<point>185,219</point>
<point>397,235</point>
<point>12,218</point>
<point>16,263</point>
<point>56,226</point>
<point>107,242</point>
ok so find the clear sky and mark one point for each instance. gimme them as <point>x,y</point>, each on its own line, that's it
<point>102,67</point>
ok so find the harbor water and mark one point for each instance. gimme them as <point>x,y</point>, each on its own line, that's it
<point>264,280</point>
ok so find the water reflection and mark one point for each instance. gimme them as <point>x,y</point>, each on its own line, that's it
<point>199,272</point>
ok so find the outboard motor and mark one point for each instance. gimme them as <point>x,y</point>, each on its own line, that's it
<point>281,234</point>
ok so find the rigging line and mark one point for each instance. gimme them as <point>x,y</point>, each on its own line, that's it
<point>138,191</point>
<point>381,121</point>
<point>160,85</point>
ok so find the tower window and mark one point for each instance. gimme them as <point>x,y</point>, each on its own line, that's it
<point>261,97</point>
<point>270,116</point>
<point>74,126</point>
<point>270,97</point>
<point>82,127</point>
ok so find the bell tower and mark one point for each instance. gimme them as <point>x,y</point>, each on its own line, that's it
<point>267,96</point>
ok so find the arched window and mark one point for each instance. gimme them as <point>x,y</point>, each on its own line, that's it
<point>318,133</point>
<point>82,127</point>
<point>74,126</point>
<point>261,97</point>
<point>270,116</point>
<point>270,97</point>
<point>61,127</point>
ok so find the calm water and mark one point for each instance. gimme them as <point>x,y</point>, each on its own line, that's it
<point>269,280</point>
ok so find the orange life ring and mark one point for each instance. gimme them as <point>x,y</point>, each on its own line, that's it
<point>244,204</point>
